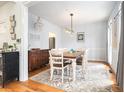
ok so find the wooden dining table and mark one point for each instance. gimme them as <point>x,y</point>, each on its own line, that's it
<point>73,56</point>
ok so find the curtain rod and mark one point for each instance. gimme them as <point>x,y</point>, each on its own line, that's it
<point>117,13</point>
<point>120,6</point>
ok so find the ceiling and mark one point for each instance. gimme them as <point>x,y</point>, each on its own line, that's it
<point>84,11</point>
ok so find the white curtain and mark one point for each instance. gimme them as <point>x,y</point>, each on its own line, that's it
<point>120,65</point>
<point>115,40</point>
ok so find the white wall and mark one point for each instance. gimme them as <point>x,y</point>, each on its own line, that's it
<point>22,29</point>
<point>95,40</point>
<point>40,39</point>
<point>17,8</point>
<point>7,10</point>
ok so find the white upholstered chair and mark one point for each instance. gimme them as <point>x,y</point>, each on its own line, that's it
<point>57,62</point>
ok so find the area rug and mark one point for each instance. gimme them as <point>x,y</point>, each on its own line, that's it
<point>96,79</point>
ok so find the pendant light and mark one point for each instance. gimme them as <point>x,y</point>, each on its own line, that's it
<point>71,30</point>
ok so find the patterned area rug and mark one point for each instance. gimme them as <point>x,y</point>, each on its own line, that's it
<point>96,79</point>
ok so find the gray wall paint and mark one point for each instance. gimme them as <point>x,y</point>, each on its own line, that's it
<point>95,40</point>
<point>41,39</point>
<point>95,37</point>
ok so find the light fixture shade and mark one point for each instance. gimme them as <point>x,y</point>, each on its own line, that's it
<point>67,30</point>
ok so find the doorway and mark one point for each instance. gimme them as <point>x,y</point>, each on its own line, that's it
<point>51,40</point>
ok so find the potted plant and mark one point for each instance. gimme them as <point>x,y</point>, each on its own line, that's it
<point>10,48</point>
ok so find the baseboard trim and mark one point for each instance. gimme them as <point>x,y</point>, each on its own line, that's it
<point>97,61</point>
<point>111,68</point>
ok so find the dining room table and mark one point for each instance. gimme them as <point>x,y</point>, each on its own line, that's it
<point>73,56</point>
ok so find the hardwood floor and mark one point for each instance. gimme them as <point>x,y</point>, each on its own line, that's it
<point>38,70</point>
<point>115,88</point>
<point>29,85</point>
<point>32,86</point>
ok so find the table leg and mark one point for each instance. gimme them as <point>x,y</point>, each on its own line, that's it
<point>74,69</point>
<point>83,67</point>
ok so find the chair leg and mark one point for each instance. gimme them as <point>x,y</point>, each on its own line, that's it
<point>82,72</point>
<point>51,76</point>
<point>62,75</point>
<point>66,71</point>
<point>56,72</point>
<point>69,69</point>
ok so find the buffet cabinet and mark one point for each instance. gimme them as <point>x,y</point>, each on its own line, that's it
<point>37,58</point>
<point>9,67</point>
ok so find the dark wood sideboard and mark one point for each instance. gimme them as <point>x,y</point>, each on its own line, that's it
<point>9,67</point>
<point>37,58</point>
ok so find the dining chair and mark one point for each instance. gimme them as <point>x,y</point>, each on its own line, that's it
<point>69,62</point>
<point>85,60</point>
<point>80,59</point>
<point>57,62</point>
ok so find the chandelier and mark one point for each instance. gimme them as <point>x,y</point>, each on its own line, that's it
<point>38,24</point>
<point>70,30</point>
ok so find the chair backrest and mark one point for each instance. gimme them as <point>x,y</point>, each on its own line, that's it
<point>86,54</point>
<point>56,57</point>
<point>86,51</point>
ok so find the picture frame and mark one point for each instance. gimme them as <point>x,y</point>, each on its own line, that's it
<point>12,18</point>
<point>12,30</point>
<point>12,27</point>
<point>80,36</point>
<point>13,24</point>
<point>13,36</point>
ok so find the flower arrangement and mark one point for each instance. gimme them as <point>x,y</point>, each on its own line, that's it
<point>72,50</point>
